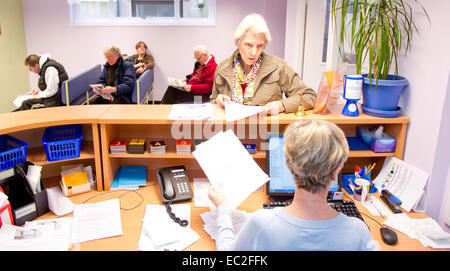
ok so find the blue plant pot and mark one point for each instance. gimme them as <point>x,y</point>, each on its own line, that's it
<point>385,96</point>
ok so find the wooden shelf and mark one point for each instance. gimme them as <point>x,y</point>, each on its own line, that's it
<point>38,156</point>
<point>171,155</point>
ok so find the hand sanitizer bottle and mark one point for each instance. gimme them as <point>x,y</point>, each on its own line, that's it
<point>352,93</point>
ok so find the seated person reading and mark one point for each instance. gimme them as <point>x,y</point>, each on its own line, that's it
<point>253,77</point>
<point>51,76</point>
<point>117,79</point>
<point>198,83</point>
<point>143,60</point>
<point>315,152</point>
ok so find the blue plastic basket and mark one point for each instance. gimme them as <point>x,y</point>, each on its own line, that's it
<point>12,151</point>
<point>62,142</point>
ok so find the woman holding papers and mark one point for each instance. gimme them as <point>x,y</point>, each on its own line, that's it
<point>252,77</point>
<point>315,153</point>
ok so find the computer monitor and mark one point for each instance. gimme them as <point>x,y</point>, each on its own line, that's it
<point>281,185</point>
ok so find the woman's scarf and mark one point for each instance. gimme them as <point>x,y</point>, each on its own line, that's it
<point>239,78</point>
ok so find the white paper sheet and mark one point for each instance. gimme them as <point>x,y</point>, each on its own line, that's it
<point>201,188</point>
<point>235,111</point>
<point>160,232</point>
<point>238,218</point>
<point>39,235</point>
<point>96,221</point>
<point>190,112</point>
<point>225,161</point>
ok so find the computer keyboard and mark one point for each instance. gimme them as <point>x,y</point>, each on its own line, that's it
<point>346,207</point>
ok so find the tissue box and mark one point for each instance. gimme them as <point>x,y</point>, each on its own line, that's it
<point>383,143</point>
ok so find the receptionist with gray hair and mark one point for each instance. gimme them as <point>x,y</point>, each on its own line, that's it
<point>118,78</point>
<point>315,152</point>
<point>253,77</point>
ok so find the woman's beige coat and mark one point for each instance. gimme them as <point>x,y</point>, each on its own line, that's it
<point>274,78</point>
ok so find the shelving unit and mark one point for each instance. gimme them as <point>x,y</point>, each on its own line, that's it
<point>150,122</point>
<point>29,126</point>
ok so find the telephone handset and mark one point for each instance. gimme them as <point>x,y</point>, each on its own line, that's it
<point>174,184</point>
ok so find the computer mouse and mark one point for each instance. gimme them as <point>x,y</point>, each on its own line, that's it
<point>389,236</point>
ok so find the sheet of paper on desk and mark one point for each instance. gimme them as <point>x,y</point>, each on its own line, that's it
<point>190,112</point>
<point>235,111</point>
<point>404,181</point>
<point>96,220</point>
<point>160,232</point>
<point>238,218</point>
<point>40,235</point>
<point>426,230</point>
<point>224,160</point>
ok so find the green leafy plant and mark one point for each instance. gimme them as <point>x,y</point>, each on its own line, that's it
<point>379,30</point>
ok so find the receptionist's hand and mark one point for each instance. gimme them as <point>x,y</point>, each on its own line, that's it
<point>222,100</point>
<point>216,195</point>
<point>274,108</point>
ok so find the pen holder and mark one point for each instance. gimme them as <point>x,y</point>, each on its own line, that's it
<point>348,179</point>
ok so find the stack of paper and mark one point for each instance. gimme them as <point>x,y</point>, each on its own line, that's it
<point>160,232</point>
<point>130,177</point>
<point>427,230</point>
<point>224,160</point>
<point>40,235</point>
<point>238,218</point>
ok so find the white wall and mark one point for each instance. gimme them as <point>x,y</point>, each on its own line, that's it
<point>427,68</point>
<point>47,29</point>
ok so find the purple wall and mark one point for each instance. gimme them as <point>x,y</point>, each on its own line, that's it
<point>47,29</point>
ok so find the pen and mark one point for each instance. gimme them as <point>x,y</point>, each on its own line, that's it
<point>371,167</point>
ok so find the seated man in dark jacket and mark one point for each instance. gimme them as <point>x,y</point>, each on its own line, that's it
<point>118,79</point>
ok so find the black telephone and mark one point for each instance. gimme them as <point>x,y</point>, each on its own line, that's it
<point>174,184</point>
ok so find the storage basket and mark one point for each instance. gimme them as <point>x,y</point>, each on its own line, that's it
<point>12,151</point>
<point>62,142</point>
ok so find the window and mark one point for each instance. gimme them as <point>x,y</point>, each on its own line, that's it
<point>142,12</point>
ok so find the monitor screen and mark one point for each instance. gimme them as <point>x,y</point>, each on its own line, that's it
<point>281,183</point>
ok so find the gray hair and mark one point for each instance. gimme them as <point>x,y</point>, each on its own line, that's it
<point>313,150</point>
<point>111,50</point>
<point>254,22</point>
<point>202,49</point>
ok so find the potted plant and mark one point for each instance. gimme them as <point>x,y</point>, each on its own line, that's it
<point>379,30</point>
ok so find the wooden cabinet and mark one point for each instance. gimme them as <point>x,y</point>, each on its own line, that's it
<point>150,122</point>
<point>29,126</point>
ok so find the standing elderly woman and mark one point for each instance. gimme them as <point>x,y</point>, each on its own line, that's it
<point>315,152</point>
<point>252,77</point>
<point>142,61</point>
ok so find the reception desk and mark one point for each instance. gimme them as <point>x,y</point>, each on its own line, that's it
<point>103,123</point>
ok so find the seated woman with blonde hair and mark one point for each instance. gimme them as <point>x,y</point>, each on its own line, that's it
<point>315,152</point>
<point>253,77</point>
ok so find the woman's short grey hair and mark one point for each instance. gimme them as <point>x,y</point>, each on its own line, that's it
<point>254,22</point>
<point>111,50</point>
<point>313,150</point>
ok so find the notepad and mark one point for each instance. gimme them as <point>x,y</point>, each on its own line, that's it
<point>74,179</point>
